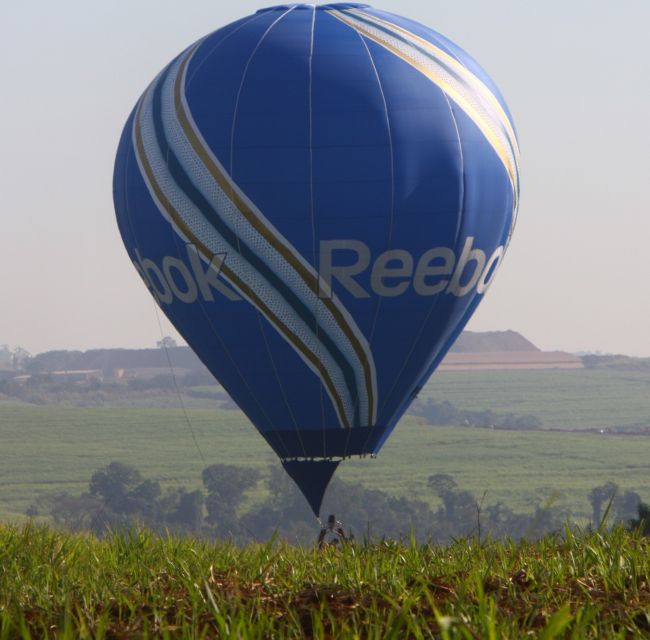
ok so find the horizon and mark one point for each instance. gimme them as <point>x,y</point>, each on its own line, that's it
<point>181,343</point>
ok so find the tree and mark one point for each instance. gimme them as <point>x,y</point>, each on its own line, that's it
<point>75,512</point>
<point>599,495</point>
<point>113,483</point>
<point>437,413</point>
<point>626,506</point>
<point>119,498</point>
<point>444,486</point>
<point>20,358</point>
<point>642,522</point>
<point>6,357</point>
<point>226,485</point>
<point>166,343</point>
<point>189,512</point>
<point>142,499</point>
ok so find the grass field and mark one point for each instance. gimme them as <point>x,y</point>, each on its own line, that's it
<point>562,399</point>
<point>138,586</point>
<point>52,448</point>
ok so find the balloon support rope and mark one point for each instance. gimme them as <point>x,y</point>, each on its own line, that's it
<point>178,390</point>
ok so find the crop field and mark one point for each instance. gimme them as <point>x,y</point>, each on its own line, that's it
<point>562,399</point>
<point>138,585</point>
<point>55,448</point>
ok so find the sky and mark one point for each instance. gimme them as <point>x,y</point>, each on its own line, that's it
<point>576,76</point>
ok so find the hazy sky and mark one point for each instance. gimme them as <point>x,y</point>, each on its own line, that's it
<point>576,75</point>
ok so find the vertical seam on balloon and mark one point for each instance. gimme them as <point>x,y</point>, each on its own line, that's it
<point>311,207</point>
<point>346,325</point>
<point>462,168</point>
<point>392,205</point>
<point>232,175</point>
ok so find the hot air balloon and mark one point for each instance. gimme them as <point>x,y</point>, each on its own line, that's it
<point>318,198</point>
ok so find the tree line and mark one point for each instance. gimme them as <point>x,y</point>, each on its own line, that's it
<point>119,497</point>
<point>445,413</point>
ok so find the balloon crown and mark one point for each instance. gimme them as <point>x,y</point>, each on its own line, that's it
<point>318,7</point>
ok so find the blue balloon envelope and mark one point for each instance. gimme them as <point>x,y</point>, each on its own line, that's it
<point>318,198</point>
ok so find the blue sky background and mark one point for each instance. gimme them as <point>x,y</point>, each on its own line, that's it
<point>576,76</point>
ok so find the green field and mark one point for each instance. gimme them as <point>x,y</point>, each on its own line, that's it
<point>53,448</point>
<point>64,586</point>
<point>562,399</point>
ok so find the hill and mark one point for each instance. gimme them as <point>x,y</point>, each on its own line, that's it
<point>491,342</point>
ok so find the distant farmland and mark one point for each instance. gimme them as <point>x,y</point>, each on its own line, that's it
<point>54,447</point>
<point>562,399</point>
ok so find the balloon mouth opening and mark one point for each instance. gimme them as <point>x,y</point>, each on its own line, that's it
<point>338,6</point>
<point>340,458</point>
<point>326,444</point>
